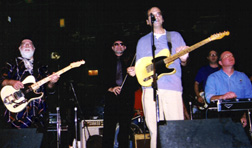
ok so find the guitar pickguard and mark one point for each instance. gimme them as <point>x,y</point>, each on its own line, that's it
<point>144,68</point>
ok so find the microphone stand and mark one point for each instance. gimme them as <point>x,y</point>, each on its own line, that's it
<point>75,111</point>
<point>154,83</point>
<point>76,99</point>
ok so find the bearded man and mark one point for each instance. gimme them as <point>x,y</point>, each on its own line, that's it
<point>13,74</point>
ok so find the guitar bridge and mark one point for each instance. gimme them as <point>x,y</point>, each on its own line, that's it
<point>146,79</point>
<point>13,97</point>
<point>19,103</point>
<point>7,100</point>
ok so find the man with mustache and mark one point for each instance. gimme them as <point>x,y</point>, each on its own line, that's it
<point>13,73</point>
<point>119,97</point>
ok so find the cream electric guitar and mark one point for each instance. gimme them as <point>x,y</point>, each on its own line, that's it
<point>144,66</point>
<point>16,100</point>
<point>204,105</point>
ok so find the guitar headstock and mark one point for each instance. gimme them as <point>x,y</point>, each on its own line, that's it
<point>77,64</point>
<point>218,36</point>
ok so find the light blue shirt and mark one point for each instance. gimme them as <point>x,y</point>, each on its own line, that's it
<point>219,83</point>
<point>144,49</point>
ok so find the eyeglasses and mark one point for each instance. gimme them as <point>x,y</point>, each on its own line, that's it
<point>213,55</point>
<point>116,44</point>
<point>156,14</point>
<point>227,56</point>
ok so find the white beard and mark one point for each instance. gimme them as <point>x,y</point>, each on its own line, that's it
<point>27,54</point>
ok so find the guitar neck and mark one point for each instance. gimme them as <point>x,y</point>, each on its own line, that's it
<point>36,85</point>
<point>187,50</point>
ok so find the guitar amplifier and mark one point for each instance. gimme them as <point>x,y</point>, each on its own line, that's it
<point>142,140</point>
<point>92,127</point>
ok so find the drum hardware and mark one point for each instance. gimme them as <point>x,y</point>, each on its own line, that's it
<point>75,124</point>
<point>190,107</point>
<point>55,125</point>
<point>76,143</point>
<point>58,127</point>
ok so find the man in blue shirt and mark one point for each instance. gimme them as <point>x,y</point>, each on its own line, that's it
<point>201,77</point>
<point>228,83</point>
<point>169,86</point>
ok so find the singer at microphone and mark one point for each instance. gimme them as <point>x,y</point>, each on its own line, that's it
<point>153,19</point>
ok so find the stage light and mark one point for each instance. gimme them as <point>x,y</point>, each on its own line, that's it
<point>62,22</point>
<point>9,19</point>
<point>93,72</point>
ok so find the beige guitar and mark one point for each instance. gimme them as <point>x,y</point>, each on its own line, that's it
<point>144,66</point>
<point>16,100</point>
<point>204,105</point>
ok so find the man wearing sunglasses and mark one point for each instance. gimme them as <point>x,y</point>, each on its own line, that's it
<point>119,96</point>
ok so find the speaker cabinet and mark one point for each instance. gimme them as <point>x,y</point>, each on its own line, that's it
<point>207,133</point>
<point>20,138</point>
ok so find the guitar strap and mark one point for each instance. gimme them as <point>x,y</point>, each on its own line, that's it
<point>169,43</point>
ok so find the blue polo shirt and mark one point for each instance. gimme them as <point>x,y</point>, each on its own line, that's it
<point>220,83</point>
<point>144,49</point>
<point>203,73</point>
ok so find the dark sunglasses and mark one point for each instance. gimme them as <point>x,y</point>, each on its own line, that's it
<point>116,44</point>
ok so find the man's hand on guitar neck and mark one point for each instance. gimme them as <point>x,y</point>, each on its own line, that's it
<point>184,57</point>
<point>54,79</point>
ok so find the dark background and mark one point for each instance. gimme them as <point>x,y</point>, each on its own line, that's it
<point>90,28</point>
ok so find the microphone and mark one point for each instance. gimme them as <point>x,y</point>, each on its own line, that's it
<point>153,19</point>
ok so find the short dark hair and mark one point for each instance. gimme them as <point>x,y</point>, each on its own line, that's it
<point>118,38</point>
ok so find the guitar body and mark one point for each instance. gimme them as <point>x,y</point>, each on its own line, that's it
<point>144,68</point>
<point>16,100</point>
<point>204,105</point>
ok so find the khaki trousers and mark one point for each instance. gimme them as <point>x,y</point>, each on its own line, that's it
<point>170,108</point>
